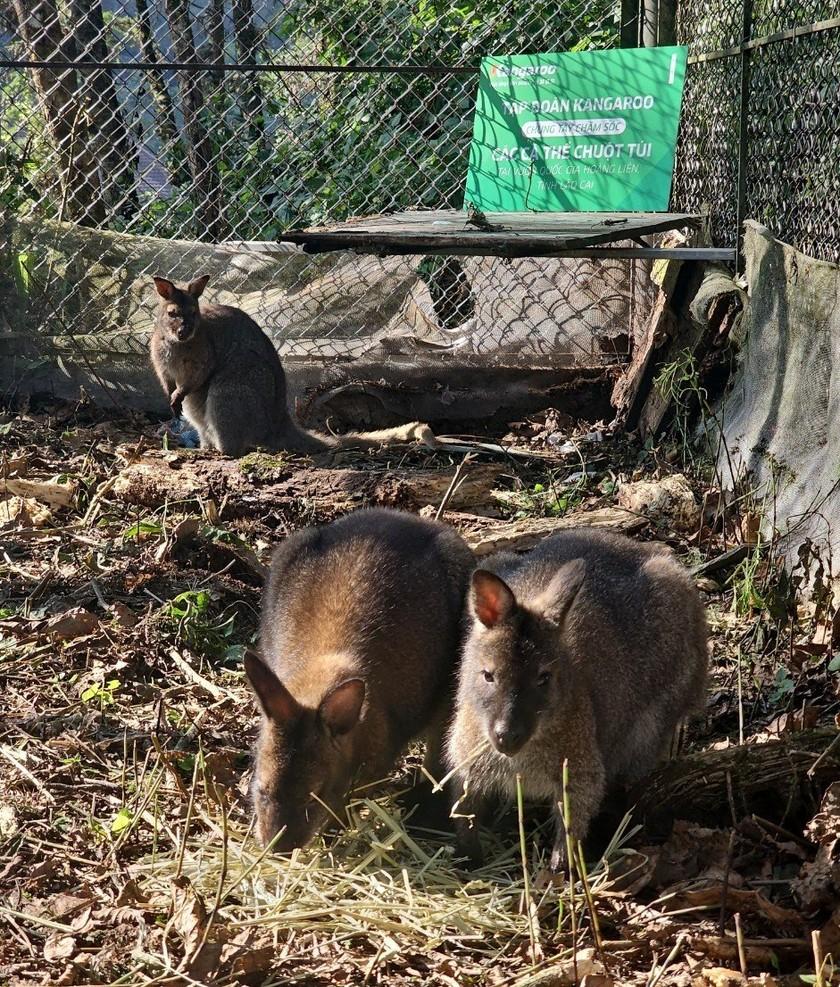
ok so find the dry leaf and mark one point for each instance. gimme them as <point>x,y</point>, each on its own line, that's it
<point>189,916</point>
<point>736,900</point>
<point>800,719</point>
<point>130,894</point>
<point>632,870</point>
<point>55,495</point>
<point>70,976</point>
<point>124,615</point>
<point>818,884</point>
<point>824,828</point>
<point>693,851</point>
<point>750,528</point>
<point>58,947</point>
<point>23,512</point>
<point>65,905</point>
<point>8,821</point>
<point>74,623</point>
<point>183,532</point>
<point>189,919</point>
<point>244,960</point>
<point>569,971</point>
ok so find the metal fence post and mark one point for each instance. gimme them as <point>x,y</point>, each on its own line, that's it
<point>743,135</point>
<point>650,22</point>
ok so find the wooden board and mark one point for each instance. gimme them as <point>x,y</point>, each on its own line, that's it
<point>511,235</point>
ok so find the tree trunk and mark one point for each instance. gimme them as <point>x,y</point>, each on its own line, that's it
<point>167,130</point>
<point>115,144</point>
<point>206,191</point>
<point>78,173</point>
<point>248,48</point>
<point>215,25</point>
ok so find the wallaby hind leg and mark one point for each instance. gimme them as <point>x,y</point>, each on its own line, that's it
<point>235,419</point>
<point>428,803</point>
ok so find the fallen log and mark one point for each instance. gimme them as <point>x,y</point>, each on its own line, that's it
<point>249,486</point>
<point>521,535</point>
<point>780,779</point>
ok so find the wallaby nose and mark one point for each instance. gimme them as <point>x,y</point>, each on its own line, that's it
<point>507,738</point>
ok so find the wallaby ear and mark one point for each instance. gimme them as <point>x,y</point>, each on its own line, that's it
<point>341,707</point>
<point>165,288</point>
<point>274,698</point>
<point>196,288</point>
<point>491,599</point>
<point>557,598</point>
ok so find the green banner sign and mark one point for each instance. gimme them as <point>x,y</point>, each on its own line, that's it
<point>591,131</point>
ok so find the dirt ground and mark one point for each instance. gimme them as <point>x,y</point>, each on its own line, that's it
<point>130,580</point>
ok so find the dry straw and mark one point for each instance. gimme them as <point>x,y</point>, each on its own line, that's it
<point>377,883</point>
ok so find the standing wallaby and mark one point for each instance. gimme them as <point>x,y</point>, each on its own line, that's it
<point>592,648</point>
<point>359,636</point>
<point>217,363</point>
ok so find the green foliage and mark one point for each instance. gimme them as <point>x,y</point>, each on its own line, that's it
<point>554,498</point>
<point>679,383</point>
<point>189,617</point>
<point>101,692</point>
<point>144,528</point>
<point>747,595</point>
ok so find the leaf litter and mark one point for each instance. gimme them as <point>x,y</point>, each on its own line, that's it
<point>126,851</point>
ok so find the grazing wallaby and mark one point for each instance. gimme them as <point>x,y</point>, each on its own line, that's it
<point>359,637</point>
<point>592,648</point>
<point>216,363</point>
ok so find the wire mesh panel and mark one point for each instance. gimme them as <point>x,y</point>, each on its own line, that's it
<point>760,135</point>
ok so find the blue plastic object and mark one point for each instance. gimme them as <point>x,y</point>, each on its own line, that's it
<point>181,430</point>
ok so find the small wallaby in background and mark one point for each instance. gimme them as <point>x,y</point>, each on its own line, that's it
<point>360,633</point>
<point>592,648</point>
<point>216,363</point>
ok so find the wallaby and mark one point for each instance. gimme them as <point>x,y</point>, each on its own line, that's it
<point>217,363</point>
<point>592,648</point>
<point>359,635</point>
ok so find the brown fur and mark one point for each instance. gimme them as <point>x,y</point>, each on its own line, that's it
<point>216,363</point>
<point>360,634</point>
<point>597,649</point>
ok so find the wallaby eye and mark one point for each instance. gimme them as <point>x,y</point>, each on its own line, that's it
<point>488,676</point>
<point>543,678</point>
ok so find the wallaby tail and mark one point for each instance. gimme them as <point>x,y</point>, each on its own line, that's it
<point>301,440</point>
<point>412,432</point>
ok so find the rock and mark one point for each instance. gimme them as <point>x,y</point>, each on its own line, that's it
<point>668,502</point>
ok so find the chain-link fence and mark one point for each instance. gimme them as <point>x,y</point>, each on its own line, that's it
<point>150,130</point>
<point>138,136</point>
<point>760,135</point>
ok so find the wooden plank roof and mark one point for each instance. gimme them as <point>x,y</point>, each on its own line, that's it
<point>509,234</point>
